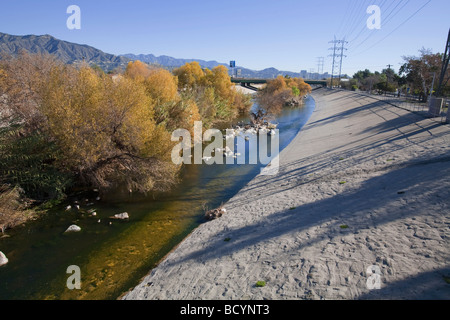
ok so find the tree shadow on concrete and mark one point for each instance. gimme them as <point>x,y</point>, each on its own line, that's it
<point>335,157</point>
<point>344,208</point>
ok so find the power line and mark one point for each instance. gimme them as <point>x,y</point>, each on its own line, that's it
<point>351,18</point>
<point>354,23</point>
<point>344,17</point>
<point>409,18</point>
<point>385,22</point>
<point>364,26</point>
<point>389,17</point>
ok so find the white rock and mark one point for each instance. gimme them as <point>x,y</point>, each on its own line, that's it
<point>3,259</point>
<point>73,228</point>
<point>121,216</point>
<point>250,131</point>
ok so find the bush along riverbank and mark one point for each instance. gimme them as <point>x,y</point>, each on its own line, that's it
<point>64,127</point>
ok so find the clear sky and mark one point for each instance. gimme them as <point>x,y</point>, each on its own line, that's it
<point>286,34</point>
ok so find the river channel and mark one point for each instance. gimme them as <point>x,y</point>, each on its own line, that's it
<point>114,255</point>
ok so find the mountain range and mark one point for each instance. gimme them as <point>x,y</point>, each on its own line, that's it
<point>67,52</point>
<point>70,53</point>
<point>170,62</point>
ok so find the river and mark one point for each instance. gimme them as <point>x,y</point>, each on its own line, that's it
<point>114,255</point>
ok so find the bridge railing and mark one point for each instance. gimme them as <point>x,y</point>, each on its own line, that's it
<point>261,81</point>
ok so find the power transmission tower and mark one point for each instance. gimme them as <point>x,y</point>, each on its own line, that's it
<point>338,54</point>
<point>320,63</point>
<point>343,42</point>
<point>311,71</point>
<point>445,60</point>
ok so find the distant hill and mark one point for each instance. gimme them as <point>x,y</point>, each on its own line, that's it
<point>67,52</point>
<point>170,63</point>
<point>70,53</point>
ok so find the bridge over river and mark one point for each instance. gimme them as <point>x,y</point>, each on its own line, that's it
<point>248,82</point>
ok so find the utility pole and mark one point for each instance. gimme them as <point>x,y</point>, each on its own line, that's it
<point>445,60</point>
<point>432,85</point>
<point>338,50</point>
<point>387,79</point>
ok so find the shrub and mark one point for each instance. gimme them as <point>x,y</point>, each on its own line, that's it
<point>260,284</point>
<point>13,208</point>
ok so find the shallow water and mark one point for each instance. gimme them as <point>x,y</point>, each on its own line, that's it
<point>114,257</point>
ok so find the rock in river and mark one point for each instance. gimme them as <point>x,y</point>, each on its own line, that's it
<point>3,259</point>
<point>73,228</point>
<point>121,216</point>
<point>215,213</point>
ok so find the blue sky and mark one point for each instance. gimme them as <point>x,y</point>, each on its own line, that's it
<point>285,34</point>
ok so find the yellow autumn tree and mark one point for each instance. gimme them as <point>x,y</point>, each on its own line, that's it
<point>137,70</point>
<point>189,75</point>
<point>213,92</point>
<point>225,90</point>
<point>107,130</point>
<point>278,93</point>
<point>162,86</point>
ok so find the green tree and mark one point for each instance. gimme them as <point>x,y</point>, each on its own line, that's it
<point>419,71</point>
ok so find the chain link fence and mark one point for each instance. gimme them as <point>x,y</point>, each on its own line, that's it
<point>435,107</point>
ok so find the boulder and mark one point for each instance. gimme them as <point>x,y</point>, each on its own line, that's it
<point>73,228</point>
<point>3,259</point>
<point>121,216</point>
<point>215,213</point>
